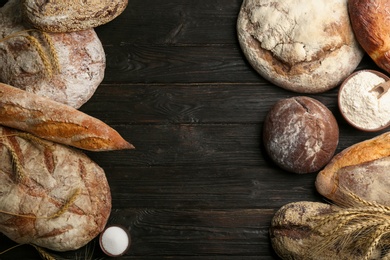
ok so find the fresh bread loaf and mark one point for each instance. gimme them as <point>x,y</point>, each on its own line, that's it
<point>300,134</point>
<point>370,22</point>
<point>56,122</point>
<point>362,169</point>
<point>51,195</point>
<point>303,46</point>
<point>71,15</point>
<point>65,67</point>
<point>308,230</point>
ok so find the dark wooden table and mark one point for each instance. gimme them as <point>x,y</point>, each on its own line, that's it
<point>199,184</point>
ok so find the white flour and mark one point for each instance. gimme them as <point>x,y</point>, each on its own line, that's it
<point>361,106</point>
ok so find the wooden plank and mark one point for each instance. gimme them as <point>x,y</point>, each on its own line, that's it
<point>208,188</point>
<point>178,64</point>
<point>190,103</point>
<point>175,22</point>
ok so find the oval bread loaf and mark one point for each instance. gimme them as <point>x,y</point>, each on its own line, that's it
<point>362,169</point>
<point>65,67</point>
<point>318,231</point>
<point>56,122</point>
<point>51,195</point>
<point>370,22</point>
<point>71,15</point>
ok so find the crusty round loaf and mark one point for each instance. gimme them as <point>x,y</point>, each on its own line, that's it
<point>370,22</point>
<point>71,15</point>
<point>28,59</point>
<point>56,196</point>
<point>303,46</point>
<point>300,134</point>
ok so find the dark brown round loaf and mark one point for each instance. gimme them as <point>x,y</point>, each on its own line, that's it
<point>300,134</point>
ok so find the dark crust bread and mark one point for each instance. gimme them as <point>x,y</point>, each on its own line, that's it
<point>370,22</point>
<point>300,134</point>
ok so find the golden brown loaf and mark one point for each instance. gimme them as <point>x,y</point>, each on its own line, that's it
<point>370,22</point>
<point>50,195</point>
<point>362,168</point>
<point>56,122</point>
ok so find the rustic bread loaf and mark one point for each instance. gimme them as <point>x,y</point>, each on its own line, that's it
<point>71,15</point>
<point>303,46</point>
<point>50,195</point>
<point>362,169</point>
<point>56,122</point>
<point>291,231</point>
<point>66,67</point>
<point>300,134</point>
<point>317,231</point>
<point>370,22</point>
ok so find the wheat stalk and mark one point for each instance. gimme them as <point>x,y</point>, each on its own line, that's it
<point>361,229</point>
<point>61,211</point>
<point>49,64</point>
<point>16,164</point>
<point>43,253</point>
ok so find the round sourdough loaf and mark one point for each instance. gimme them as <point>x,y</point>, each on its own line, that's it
<point>300,134</point>
<point>65,67</point>
<point>303,46</point>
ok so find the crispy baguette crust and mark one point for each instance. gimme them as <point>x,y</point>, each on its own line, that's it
<point>358,154</point>
<point>369,21</point>
<point>56,122</point>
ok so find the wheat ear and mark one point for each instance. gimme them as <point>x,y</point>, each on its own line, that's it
<point>16,164</point>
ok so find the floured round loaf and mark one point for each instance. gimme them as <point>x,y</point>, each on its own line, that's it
<point>300,134</point>
<point>302,46</point>
<point>55,197</point>
<point>71,15</point>
<point>370,22</point>
<point>28,60</point>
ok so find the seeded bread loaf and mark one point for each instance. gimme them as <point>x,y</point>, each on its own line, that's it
<point>51,195</point>
<point>56,122</point>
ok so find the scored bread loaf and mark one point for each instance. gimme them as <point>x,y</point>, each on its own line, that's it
<point>56,122</point>
<point>362,169</point>
<point>51,195</point>
<point>66,67</point>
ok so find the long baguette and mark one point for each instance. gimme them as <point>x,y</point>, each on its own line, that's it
<point>56,122</point>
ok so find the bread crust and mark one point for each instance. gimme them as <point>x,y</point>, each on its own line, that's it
<point>62,197</point>
<point>370,22</point>
<point>361,168</point>
<point>300,134</point>
<point>79,55</point>
<point>56,122</point>
<point>306,47</point>
<point>71,15</point>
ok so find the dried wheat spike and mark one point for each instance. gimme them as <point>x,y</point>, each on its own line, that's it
<point>42,54</point>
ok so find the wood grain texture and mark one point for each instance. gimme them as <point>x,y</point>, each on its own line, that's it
<point>199,184</point>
